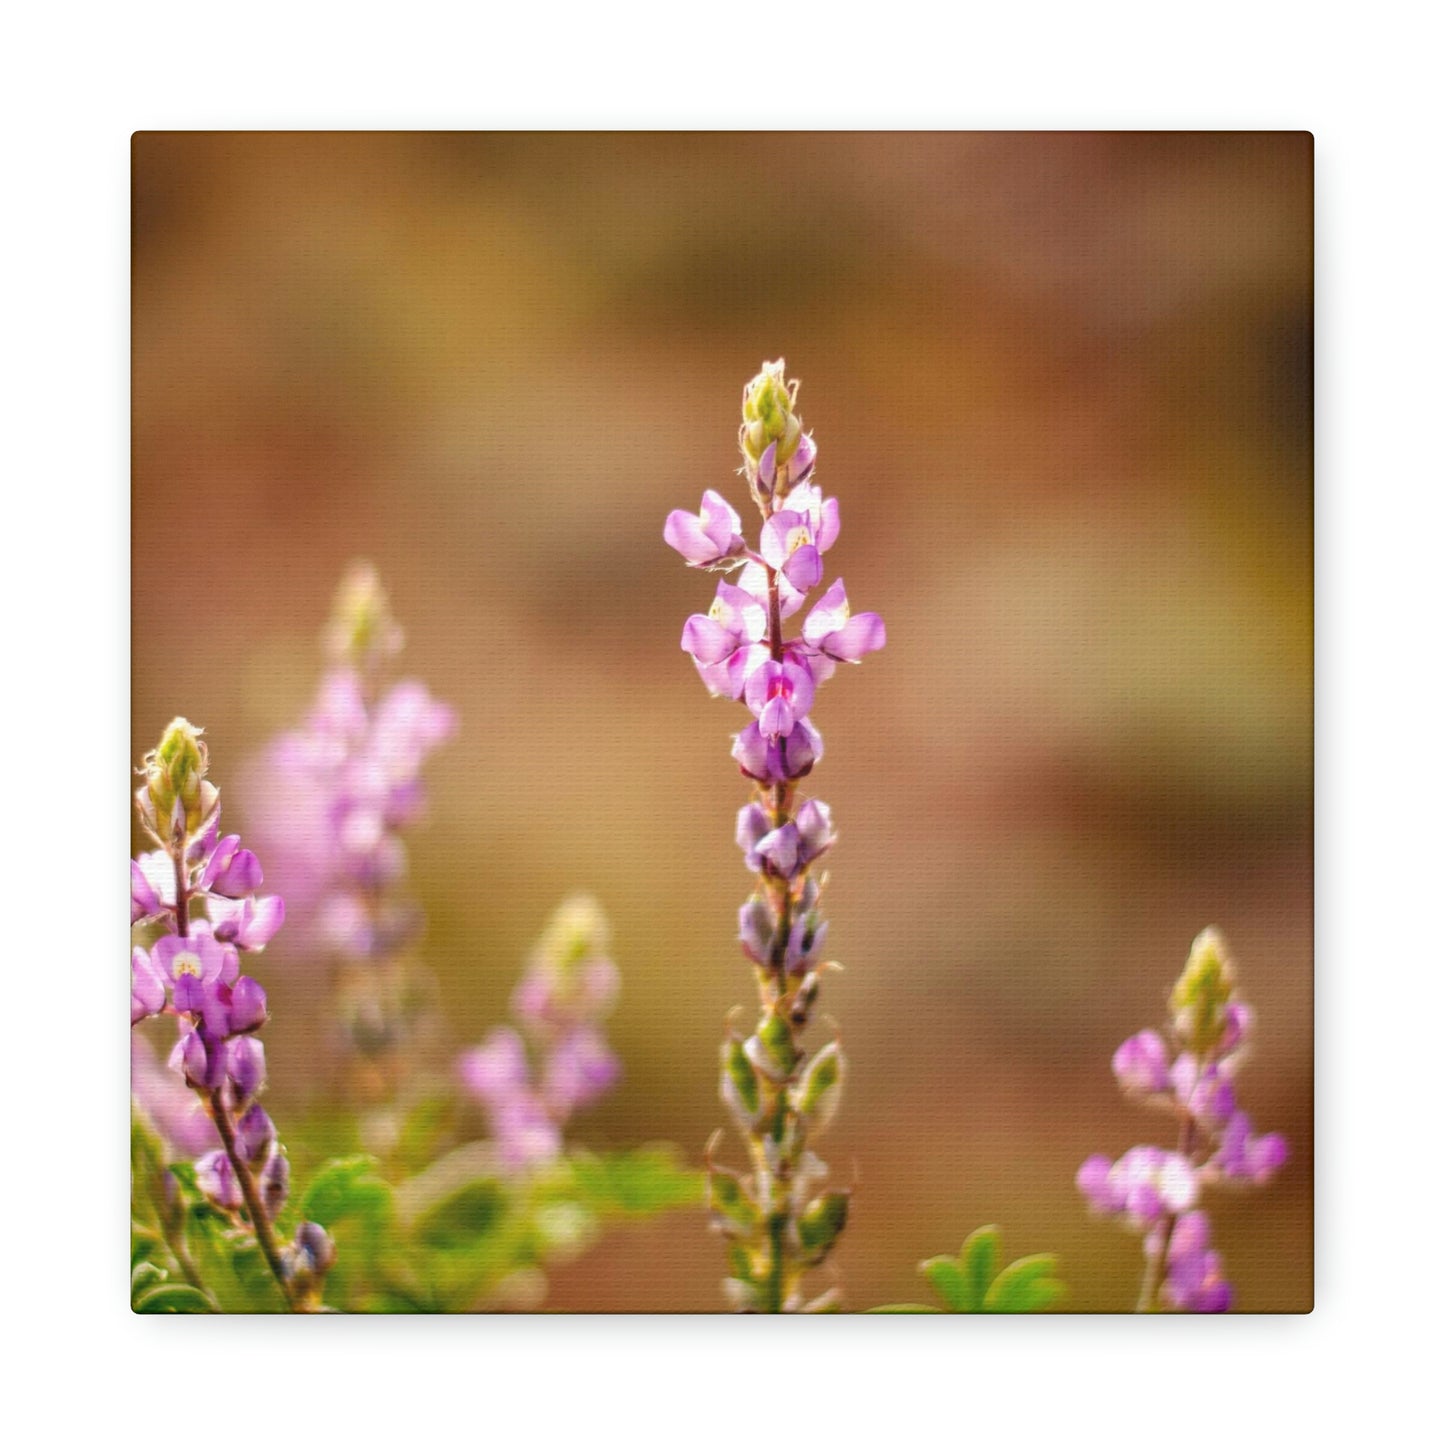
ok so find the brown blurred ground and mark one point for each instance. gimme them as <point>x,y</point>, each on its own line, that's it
<point>1062,387</point>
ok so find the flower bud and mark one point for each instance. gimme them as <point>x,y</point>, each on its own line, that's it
<point>771,1050</point>
<point>248,1006</point>
<point>255,1133</point>
<point>1203,991</point>
<point>310,1254</point>
<point>738,1084</point>
<point>818,1093</point>
<point>246,1068</point>
<point>821,1223</point>
<point>217,1180</point>
<point>362,630</point>
<point>732,1207</point>
<point>275,1181</point>
<point>176,800</point>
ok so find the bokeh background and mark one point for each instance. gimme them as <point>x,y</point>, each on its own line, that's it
<point>1061,384</point>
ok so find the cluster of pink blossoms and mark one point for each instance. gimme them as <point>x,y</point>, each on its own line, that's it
<point>192,972</point>
<point>339,790</point>
<point>779,1221</point>
<point>1156,1191</point>
<point>530,1093</point>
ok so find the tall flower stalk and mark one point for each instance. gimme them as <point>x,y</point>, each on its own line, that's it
<point>778,1218</point>
<point>332,802</point>
<point>192,972</point>
<point>1189,1074</point>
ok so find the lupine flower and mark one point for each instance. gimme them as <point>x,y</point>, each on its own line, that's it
<point>193,972</point>
<point>532,1079</point>
<point>707,538</point>
<point>741,652</point>
<point>1155,1191</point>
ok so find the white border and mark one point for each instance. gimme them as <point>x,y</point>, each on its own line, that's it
<point>81,80</point>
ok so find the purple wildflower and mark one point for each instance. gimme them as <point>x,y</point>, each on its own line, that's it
<point>533,1078</point>
<point>707,538</point>
<point>192,971</point>
<point>1156,1191</point>
<point>741,652</point>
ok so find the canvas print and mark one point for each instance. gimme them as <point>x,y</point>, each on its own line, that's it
<point>555,888</point>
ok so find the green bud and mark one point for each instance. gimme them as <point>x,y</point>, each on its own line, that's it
<point>736,1214</point>
<point>769,400</point>
<point>739,1086</point>
<point>771,1050</point>
<point>176,799</point>
<point>818,1093</point>
<point>821,1223</point>
<point>362,630</point>
<point>1201,993</point>
<point>575,932</point>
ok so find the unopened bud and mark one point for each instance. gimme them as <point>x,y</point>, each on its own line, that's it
<point>739,1083</point>
<point>818,1093</point>
<point>176,801</point>
<point>1199,998</point>
<point>771,1050</point>
<point>821,1223</point>
<point>362,630</point>
<point>735,1212</point>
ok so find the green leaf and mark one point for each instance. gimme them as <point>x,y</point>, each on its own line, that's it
<point>1024,1286</point>
<point>980,1263</point>
<point>347,1189</point>
<point>172,1299</point>
<point>904,1310</point>
<point>636,1184</point>
<point>143,1276</point>
<point>947,1277</point>
<point>462,1217</point>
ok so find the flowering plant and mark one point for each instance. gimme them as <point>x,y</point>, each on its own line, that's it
<point>1190,1075</point>
<point>778,1218</point>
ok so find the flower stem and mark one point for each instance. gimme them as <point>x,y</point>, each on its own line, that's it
<point>260,1222</point>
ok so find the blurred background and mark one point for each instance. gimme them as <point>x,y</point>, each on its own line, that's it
<point>1062,387</point>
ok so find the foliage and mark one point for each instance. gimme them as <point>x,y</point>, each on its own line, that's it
<point>971,1282</point>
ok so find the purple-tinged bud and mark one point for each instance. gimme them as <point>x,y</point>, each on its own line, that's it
<point>779,761</point>
<point>779,852</point>
<point>200,1061</point>
<point>314,1249</point>
<point>756,930</point>
<point>217,1181</point>
<point>275,1181</point>
<point>800,467</point>
<point>1141,1064</point>
<point>147,986</point>
<point>248,1006</point>
<point>246,1069</point>
<point>1238,1025</point>
<point>805,943</point>
<point>815,830</point>
<point>753,826</point>
<point>255,1133</point>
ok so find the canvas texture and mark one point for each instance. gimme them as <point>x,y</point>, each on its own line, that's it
<point>555,889</point>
